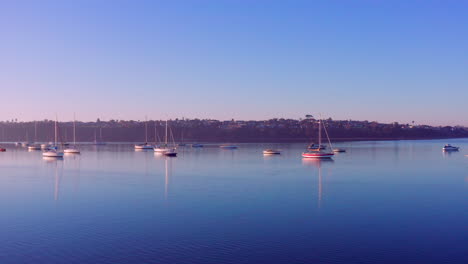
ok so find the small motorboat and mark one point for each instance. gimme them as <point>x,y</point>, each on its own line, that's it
<point>34,147</point>
<point>2,149</point>
<point>228,146</point>
<point>197,146</point>
<point>52,154</point>
<point>449,147</point>
<point>72,150</point>
<point>143,146</point>
<point>160,149</point>
<point>170,153</point>
<point>317,154</point>
<point>271,152</point>
<point>339,150</point>
<point>44,146</point>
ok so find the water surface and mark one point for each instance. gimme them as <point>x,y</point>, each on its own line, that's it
<point>388,201</point>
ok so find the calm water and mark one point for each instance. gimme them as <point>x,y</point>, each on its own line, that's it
<point>394,202</point>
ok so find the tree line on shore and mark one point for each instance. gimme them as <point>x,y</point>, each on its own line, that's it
<point>208,130</point>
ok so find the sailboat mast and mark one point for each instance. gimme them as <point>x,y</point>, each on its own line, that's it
<point>320,132</point>
<point>146,130</point>
<point>35,131</point>
<point>74,130</point>
<point>55,139</point>
<point>165,138</point>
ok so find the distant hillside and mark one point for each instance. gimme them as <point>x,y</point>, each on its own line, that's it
<point>197,130</point>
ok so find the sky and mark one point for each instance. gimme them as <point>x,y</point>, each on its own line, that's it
<point>370,60</point>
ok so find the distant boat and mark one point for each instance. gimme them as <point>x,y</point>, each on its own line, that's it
<point>319,152</point>
<point>100,142</point>
<point>45,146</point>
<point>73,149</point>
<point>164,148</point>
<point>339,150</point>
<point>228,146</point>
<point>197,146</point>
<point>2,149</point>
<point>144,145</point>
<point>34,146</point>
<point>271,152</point>
<point>172,152</point>
<point>53,153</point>
<point>449,147</point>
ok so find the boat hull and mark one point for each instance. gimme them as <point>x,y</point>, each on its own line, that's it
<point>317,155</point>
<point>71,151</point>
<point>52,154</point>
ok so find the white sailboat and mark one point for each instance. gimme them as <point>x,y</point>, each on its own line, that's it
<point>164,148</point>
<point>100,142</point>
<point>34,146</point>
<point>145,145</point>
<point>73,149</point>
<point>54,152</point>
<point>319,153</point>
<point>172,151</point>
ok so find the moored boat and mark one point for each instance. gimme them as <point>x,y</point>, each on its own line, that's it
<point>339,150</point>
<point>228,146</point>
<point>319,151</point>
<point>317,154</point>
<point>34,147</point>
<point>449,147</point>
<point>73,149</point>
<point>52,154</point>
<point>145,145</point>
<point>53,151</point>
<point>271,152</point>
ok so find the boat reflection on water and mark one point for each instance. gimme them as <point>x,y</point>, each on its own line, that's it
<point>318,163</point>
<point>58,170</point>
<point>167,175</point>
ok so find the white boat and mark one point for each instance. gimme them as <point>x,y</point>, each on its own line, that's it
<point>53,153</point>
<point>449,147</point>
<point>100,142</point>
<point>319,153</point>
<point>228,146</point>
<point>45,146</point>
<point>73,149</point>
<point>144,145</point>
<point>271,152</point>
<point>165,150</point>
<point>171,153</point>
<point>339,150</point>
<point>34,147</point>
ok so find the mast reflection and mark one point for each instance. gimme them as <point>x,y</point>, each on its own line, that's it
<point>317,163</point>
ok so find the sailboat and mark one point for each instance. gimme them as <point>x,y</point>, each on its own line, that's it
<point>100,142</point>
<point>164,148</point>
<point>319,153</point>
<point>172,151</point>
<point>73,149</point>
<point>53,153</point>
<point>144,145</point>
<point>34,146</point>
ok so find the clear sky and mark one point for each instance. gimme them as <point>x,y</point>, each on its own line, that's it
<point>366,60</point>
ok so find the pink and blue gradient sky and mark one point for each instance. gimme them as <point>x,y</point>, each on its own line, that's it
<point>367,60</point>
